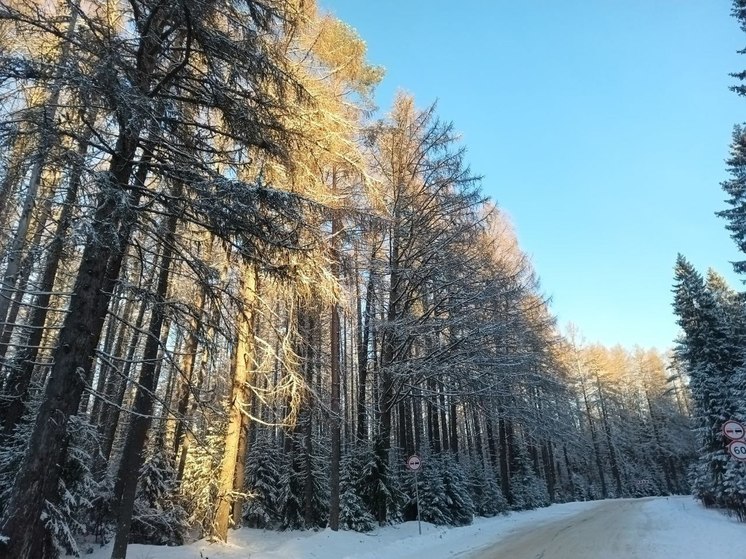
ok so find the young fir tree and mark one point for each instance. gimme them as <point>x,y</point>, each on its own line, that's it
<point>529,490</point>
<point>159,517</point>
<point>354,513</point>
<point>434,506</point>
<point>459,501</point>
<point>263,476</point>
<point>485,492</point>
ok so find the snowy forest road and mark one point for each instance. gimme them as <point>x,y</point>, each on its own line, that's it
<point>612,530</point>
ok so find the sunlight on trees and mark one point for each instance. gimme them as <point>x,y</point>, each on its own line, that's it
<point>232,296</point>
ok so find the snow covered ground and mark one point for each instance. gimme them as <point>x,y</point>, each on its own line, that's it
<point>673,527</point>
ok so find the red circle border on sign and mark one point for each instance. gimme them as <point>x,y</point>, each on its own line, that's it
<point>740,458</point>
<point>743,429</point>
<point>419,464</point>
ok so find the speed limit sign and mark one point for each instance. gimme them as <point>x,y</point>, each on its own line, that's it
<point>737,450</point>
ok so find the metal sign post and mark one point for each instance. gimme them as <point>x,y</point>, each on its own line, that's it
<point>414,463</point>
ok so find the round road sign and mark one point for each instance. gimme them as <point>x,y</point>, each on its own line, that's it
<point>733,430</point>
<point>737,450</point>
<point>414,463</point>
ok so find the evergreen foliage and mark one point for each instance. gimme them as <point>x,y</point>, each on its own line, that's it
<point>709,315</point>
<point>159,516</point>
<point>65,520</point>
<point>485,492</point>
<point>232,258</point>
<point>460,505</point>
<point>263,475</point>
<point>199,484</point>
<point>434,505</point>
<point>735,188</point>
<point>383,486</point>
<point>354,513</point>
<point>295,509</point>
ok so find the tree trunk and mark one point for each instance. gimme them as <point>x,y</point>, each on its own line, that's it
<point>453,427</point>
<point>38,476</point>
<point>335,410</point>
<point>243,364</point>
<point>133,457</point>
<point>502,433</point>
<point>362,359</point>
<point>609,440</point>
<point>24,273</point>
<point>19,379</point>
<point>187,372</point>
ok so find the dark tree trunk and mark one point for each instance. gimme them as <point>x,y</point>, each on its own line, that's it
<point>335,404</point>
<point>19,379</point>
<point>187,372</point>
<point>453,427</point>
<point>133,451</point>
<point>38,476</point>
<point>502,430</point>
<point>492,446</point>
<point>548,464</point>
<point>443,421</point>
<point>362,357</point>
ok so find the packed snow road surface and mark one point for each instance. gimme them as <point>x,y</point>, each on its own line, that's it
<point>612,530</point>
<point>653,528</point>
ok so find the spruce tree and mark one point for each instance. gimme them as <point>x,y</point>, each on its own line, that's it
<point>458,499</point>
<point>354,513</point>
<point>708,354</point>
<point>735,188</point>
<point>263,476</point>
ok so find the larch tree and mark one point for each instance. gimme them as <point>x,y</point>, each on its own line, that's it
<point>213,58</point>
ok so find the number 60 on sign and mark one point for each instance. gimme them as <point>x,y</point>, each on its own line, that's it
<point>737,450</point>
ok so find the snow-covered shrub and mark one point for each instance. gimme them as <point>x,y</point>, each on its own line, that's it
<point>458,500</point>
<point>199,484</point>
<point>159,517</point>
<point>263,473</point>
<point>433,500</point>
<point>354,513</point>
<point>485,492</point>
<point>529,490</point>
<point>381,483</point>
<point>291,497</point>
<point>65,517</point>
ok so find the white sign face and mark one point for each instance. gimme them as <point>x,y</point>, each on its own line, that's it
<point>414,463</point>
<point>737,450</point>
<point>733,430</point>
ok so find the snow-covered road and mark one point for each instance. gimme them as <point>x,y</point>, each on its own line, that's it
<point>652,528</point>
<point>625,529</point>
<point>613,529</point>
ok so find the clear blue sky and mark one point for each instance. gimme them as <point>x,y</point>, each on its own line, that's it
<point>601,128</point>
